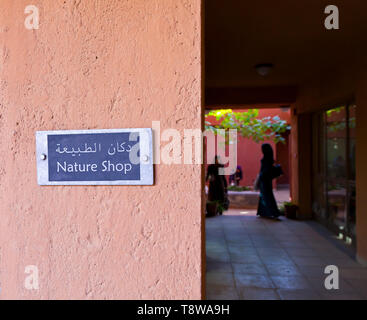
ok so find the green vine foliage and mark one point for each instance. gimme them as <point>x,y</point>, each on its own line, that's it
<point>248,124</point>
<point>340,124</point>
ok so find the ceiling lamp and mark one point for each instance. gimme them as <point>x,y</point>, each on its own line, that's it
<point>263,69</point>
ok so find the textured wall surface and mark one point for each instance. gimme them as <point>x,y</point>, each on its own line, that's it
<point>99,64</point>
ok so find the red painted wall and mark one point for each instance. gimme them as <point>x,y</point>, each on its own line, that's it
<point>249,152</point>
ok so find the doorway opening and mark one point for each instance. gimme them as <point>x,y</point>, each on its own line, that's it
<point>254,126</point>
<point>261,56</point>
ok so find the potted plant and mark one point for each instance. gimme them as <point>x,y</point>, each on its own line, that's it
<point>214,207</point>
<point>282,210</point>
<point>239,188</point>
<point>290,209</point>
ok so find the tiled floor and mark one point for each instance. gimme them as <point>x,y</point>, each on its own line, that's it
<point>255,258</point>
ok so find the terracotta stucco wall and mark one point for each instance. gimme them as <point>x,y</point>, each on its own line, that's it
<point>293,161</point>
<point>99,64</point>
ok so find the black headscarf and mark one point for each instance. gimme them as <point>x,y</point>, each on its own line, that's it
<point>267,150</point>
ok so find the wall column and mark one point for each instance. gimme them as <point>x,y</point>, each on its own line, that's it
<point>92,65</point>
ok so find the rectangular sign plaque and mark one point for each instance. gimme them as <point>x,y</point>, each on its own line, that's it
<point>95,157</point>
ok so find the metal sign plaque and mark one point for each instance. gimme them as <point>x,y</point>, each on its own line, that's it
<point>95,157</point>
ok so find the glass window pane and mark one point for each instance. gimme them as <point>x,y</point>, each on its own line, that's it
<point>319,205</point>
<point>336,147</point>
<point>352,172</point>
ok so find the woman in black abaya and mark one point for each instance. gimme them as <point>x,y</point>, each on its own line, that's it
<point>217,185</point>
<point>267,204</point>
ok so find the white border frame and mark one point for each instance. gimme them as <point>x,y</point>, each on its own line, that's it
<point>146,149</point>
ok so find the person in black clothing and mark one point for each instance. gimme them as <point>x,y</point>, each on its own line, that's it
<point>217,185</point>
<point>236,177</point>
<point>267,204</point>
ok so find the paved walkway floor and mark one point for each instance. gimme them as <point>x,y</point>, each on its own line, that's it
<point>255,258</point>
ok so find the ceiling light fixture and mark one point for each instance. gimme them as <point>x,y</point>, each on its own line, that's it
<point>263,69</point>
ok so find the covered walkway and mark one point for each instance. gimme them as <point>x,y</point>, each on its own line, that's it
<point>254,258</point>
